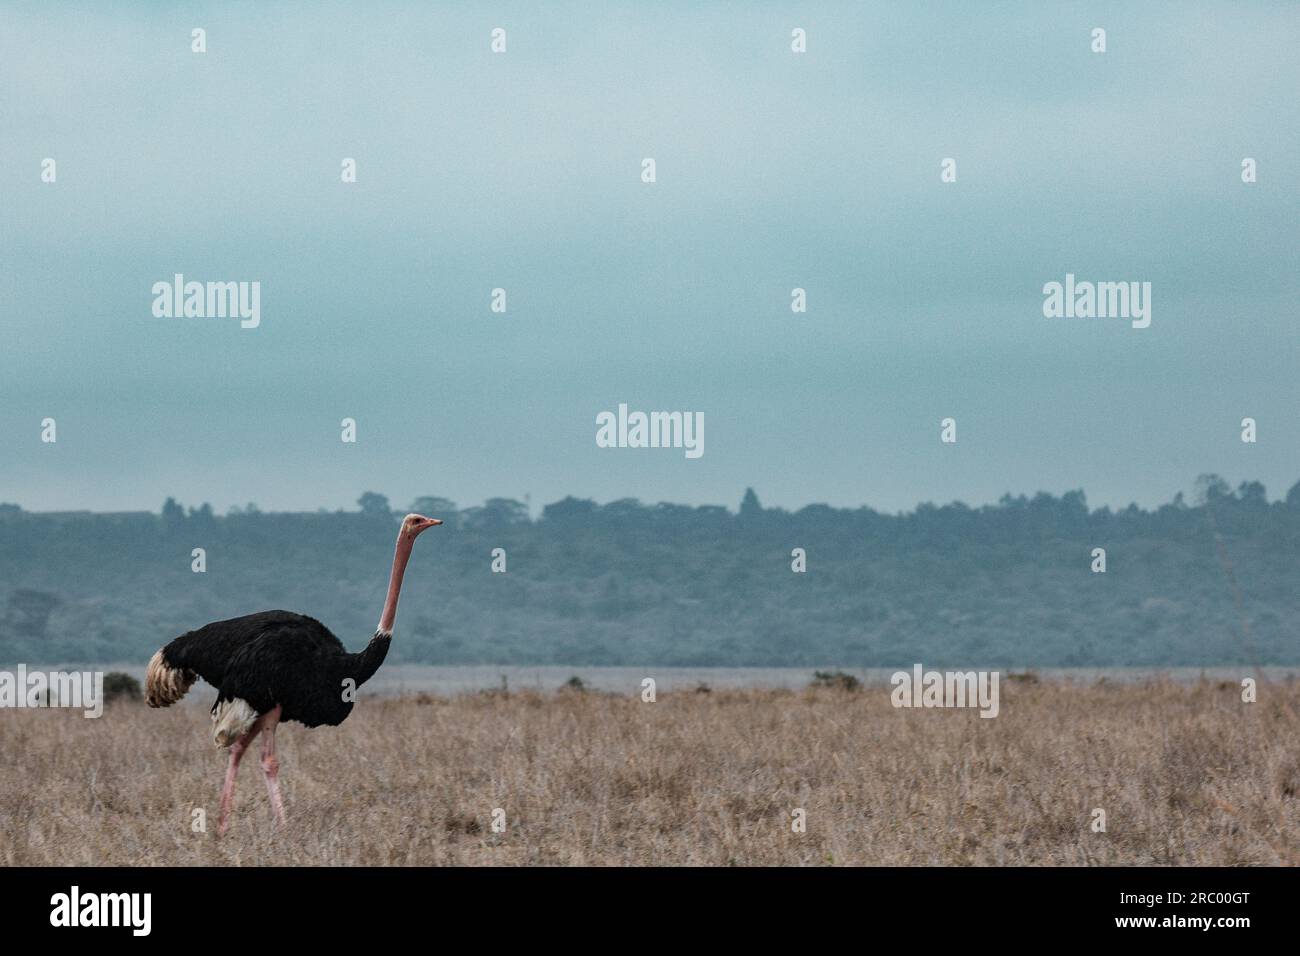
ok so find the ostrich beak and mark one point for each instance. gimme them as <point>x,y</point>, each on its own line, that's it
<point>435,521</point>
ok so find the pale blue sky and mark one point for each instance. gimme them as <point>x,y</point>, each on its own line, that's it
<point>522,171</point>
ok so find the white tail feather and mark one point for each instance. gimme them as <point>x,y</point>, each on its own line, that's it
<point>164,684</point>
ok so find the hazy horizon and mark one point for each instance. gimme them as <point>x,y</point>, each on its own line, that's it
<point>535,507</point>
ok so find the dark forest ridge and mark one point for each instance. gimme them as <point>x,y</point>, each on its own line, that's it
<point>1017,584</point>
<point>496,511</point>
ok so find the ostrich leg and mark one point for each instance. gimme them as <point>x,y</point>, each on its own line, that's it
<point>228,790</point>
<point>270,765</point>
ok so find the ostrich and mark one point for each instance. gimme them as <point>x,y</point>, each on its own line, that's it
<point>274,666</point>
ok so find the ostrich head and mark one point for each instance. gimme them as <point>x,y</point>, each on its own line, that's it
<point>414,525</point>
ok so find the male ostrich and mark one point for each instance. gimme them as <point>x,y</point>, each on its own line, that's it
<point>273,666</point>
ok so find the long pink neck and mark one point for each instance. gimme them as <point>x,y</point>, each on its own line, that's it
<point>400,557</point>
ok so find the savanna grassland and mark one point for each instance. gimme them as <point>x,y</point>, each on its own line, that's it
<point>1187,774</point>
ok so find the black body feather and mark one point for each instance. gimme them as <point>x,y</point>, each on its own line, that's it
<point>278,657</point>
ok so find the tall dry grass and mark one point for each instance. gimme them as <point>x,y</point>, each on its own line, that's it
<point>1186,775</point>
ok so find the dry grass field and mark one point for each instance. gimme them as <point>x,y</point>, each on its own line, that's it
<point>1187,774</point>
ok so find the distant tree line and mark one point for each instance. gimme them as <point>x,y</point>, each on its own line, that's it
<point>1201,582</point>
